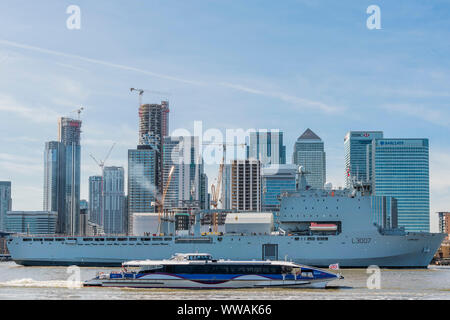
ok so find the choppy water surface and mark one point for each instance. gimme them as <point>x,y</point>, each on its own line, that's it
<point>18,282</point>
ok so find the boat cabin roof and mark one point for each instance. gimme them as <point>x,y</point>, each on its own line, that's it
<point>202,258</point>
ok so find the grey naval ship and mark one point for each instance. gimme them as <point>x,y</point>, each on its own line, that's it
<point>350,227</point>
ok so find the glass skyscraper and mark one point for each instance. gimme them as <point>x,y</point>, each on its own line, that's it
<point>54,177</point>
<point>113,200</point>
<point>267,147</point>
<point>142,179</point>
<point>275,180</point>
<point>226,187</point>
<point>5,202</point>
<point>309,153</point>
<point>95,200</point>
<point>62,166</point>
<point>184,154</point>
<point>400,168</point>
<point>355,144</point>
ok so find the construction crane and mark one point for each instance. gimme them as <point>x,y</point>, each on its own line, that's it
<point>78,111</point>
<point>101,164</point>
<point>215,189</point>
<point>141,93</point>
<point>160,203</point>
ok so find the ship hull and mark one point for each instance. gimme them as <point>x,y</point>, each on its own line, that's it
<point>413,250</point>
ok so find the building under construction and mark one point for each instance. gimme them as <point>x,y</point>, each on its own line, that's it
<point>153,127</point>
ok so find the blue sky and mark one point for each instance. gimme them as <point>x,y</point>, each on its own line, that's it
<point>288,65</point>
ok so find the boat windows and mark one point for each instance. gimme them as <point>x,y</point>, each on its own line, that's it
<point>87,239</point>
<point>99,239</point>
<point>25,239</point>
<point>121,239</point>
<point>157,239</point>
<point>110,239</point>
<point>167,239</point>
<point>48,239</point>
<point>145,239</point>
<point>223,269</point>
<point>59,239</point>
<point>37,239</point>
<point>132,239</point>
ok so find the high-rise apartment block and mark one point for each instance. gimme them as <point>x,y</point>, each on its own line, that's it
<point>114,200</point>
<point>96,200</point>
<point>153,127</point>
<point>444,223</point>
<point>62,161</point>
<point>246,185</point>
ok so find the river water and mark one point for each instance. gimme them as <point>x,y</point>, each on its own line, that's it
<point>18,282</point>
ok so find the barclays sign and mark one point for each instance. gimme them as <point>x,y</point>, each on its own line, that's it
<point>391,143</point>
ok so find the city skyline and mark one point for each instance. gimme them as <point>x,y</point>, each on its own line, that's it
<point>368,86</point>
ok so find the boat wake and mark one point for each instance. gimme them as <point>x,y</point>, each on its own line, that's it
<point>29,283</point>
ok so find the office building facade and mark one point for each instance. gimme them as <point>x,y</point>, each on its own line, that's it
<point>267,147</point>
<point>275,180</point>
<point>183,153</point>
<point>310,154</point>
<point>113,200</point>
<point>142,180</point>
<point>31,222</point>
<point>356,155</point>
<point>5,202</point>
<point>226,187</point>
<point>54,177</point>
<point>62,166</point>
<point>96,200</point>
<point>400,169</point>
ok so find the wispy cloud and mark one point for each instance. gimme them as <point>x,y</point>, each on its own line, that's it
<point>429,114</point>
<point>19,164</point>
<point>96,61</point>
<point>298,101</point>
<point>301,102</point>
<point>38,114</point>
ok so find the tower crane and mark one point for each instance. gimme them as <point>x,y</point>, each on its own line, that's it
<point>141,93</point>
<point>101,164</point>
<point>215,189</point>
<point>160,203</point>
<point>78,111</point>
